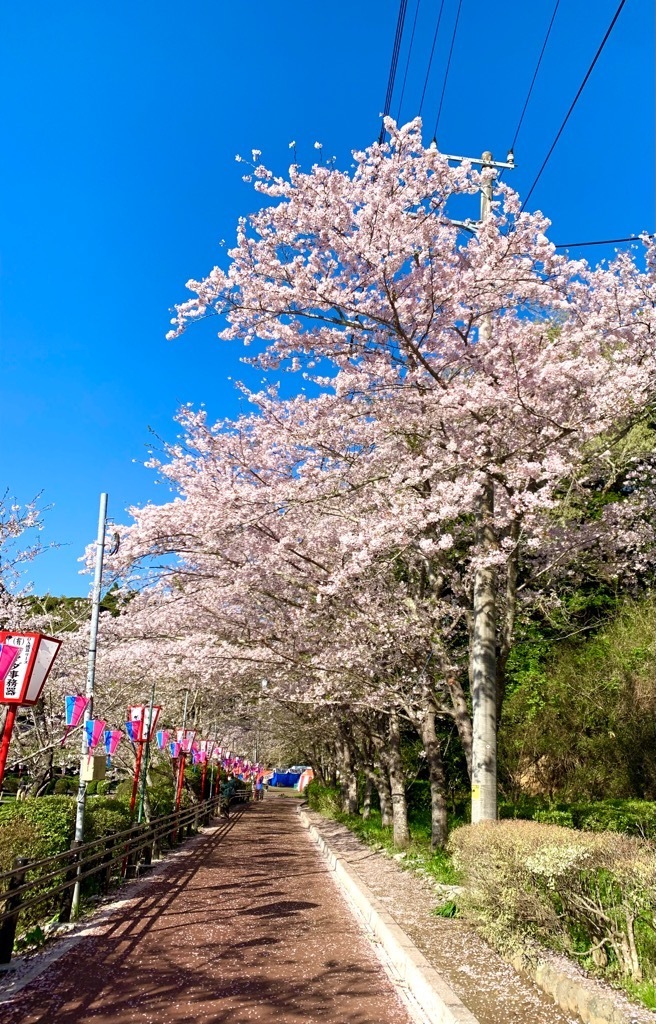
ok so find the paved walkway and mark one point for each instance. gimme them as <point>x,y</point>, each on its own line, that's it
<point>251,928</point>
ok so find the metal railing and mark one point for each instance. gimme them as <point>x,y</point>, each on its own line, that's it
<point>111,858</point>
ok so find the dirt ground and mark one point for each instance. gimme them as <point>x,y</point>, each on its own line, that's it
<point>249,928</point>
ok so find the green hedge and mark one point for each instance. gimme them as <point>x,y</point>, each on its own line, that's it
<point>41,827</point>
<point>633,817</point>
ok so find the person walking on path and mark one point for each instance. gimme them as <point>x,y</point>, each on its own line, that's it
<point>259,787</point>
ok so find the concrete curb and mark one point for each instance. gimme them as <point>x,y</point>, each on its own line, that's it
<point>593,1002</point>
<point>437,1001</point>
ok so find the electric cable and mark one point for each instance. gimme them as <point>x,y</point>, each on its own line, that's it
<point>535,75</point>
<point>448,68</point>
<point>602,241</point>
<point>575,100</point>
<point>403,6</point>
<point>407,63</point>
<point>430,59</point>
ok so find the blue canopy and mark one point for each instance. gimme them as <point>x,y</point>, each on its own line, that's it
<point>284,778</point>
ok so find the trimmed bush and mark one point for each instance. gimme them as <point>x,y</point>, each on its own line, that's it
<point>16,836</point>
<point>63,787</point>
<point>105,816</point>
<point>52,821</point>
<point>586,894</point>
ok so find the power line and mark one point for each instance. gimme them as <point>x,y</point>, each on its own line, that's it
<point>603,241</point>
<point>407,63</point>
<point>575,100</point>
<point>448,67</point>
<point>430,59</point>
<point>403,6</point>
<point>535,75</point>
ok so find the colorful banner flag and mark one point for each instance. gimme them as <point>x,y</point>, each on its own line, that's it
<point>133,729</point>
<point>74,706</point>
<point>162,737</point>
<point>174,749</point>
<point>94,730</point>
<point>112,739</point>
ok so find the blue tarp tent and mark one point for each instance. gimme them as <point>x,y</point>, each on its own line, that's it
<point>284,778</point>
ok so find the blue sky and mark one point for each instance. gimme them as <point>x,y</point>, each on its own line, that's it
<point>117,180</point>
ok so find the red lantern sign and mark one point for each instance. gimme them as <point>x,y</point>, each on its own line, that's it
<point>144,726</point>
<point>27,676</point>
<point>139,714</point>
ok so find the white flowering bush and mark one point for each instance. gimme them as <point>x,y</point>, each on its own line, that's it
<point>589,895</point>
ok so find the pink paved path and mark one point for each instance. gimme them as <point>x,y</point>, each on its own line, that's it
<point>251,928</point>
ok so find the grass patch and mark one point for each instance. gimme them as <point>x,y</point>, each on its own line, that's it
<point>417,857</point>
<point>642,991</point>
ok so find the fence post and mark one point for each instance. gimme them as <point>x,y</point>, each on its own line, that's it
<point>71,875</point>
<point>8,926</point>
<point>106,876</point>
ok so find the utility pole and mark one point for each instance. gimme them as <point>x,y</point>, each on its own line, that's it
<point>91,676</point>
<point>483,655</point>
<point>484,638</point>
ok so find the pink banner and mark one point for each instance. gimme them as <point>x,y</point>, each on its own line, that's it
<point>8,655</point>
<point>95,728</point>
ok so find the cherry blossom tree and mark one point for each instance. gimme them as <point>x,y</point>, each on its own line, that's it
<point>492,361</point>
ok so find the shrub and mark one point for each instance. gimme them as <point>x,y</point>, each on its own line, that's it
<point>552,816</point>
<point>324,799</point>
<point>16,837</point>
<point>52,819</point>
<point>590,895</point>
<point>63,787</point>
<point>161,791</point>
<point>105,816</point>
<point>635,817</point>
<point>124,790</point>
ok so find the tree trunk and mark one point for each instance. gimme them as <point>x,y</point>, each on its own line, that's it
<point>508,625</point>
<point>43,764</point>
<point>461,717</point>
<point>381,775</point>
<point>349,780</point>
<point>483,674</point>
<point>384,797</point>
<point>366,802</point>
<point>431,744</point>
<point>397,785</point>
